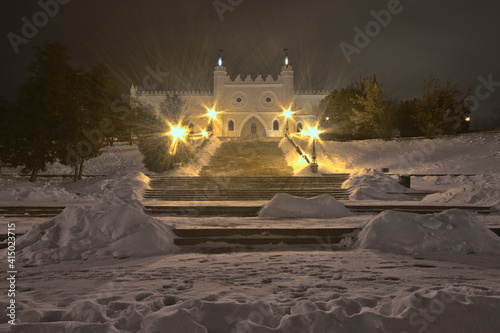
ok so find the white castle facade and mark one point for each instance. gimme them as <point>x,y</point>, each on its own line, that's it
<point>246,107</point>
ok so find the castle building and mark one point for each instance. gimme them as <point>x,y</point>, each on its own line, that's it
<point>245,107</point>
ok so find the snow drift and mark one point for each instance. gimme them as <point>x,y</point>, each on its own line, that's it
<point>369,184</point>
<point>79,232</point>
<point>444,309</point>
<point>483,189</point>
<point>36,195</point>
<point>131,187</point>
<point>450,231</point>
<point>285,205</point>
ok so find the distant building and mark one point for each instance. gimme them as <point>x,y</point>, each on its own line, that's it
<point>246,107</point>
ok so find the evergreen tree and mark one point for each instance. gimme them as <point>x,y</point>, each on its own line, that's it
<point>376,115</point>
<point>92,95</point>
<point>443,109</point>
<point>42,106</point>
<point>337,110</point>
<point>155,144</point>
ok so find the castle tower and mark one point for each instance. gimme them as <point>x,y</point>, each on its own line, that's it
<point>287,80</point>
<point>220,77</point>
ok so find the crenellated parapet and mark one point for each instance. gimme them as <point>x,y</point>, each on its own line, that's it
<point>313,92</point>
<point>258,79</point>
<point>180,93</point>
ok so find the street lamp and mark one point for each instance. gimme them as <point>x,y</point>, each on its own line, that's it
<point>313,134</point>
<point>288,115</point>
<point>177,133</point>
<point>212,115</point>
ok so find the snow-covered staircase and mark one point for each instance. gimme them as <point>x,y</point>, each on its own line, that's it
<point>243,188</point>
<point>248,158</point>
<point>242,170</point>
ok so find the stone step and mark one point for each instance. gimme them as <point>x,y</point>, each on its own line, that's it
<point>252,211</point>
<point>248,157</point>
<point>261,236</point>
<point>225,232</point>
<point>269,240</point>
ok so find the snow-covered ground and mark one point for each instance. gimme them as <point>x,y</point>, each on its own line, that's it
<point>474,156</point>
<point>105,266</point>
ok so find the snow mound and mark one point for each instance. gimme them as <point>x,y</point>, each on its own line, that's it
<point>36,194</point>
<point>79,232</point>
<point>406,233</point>
<point>285,205</point>
<point>445,310</point>
<point>481,192</point>
<point>369,184</point>
<point>131,187</point>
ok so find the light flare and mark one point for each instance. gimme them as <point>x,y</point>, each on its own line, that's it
<point>312,132</point>
<point>178,133</point>
<point>288,114</point>
<point>212,114</point>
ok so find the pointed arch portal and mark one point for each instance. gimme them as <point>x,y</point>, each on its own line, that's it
<point>253,128</point>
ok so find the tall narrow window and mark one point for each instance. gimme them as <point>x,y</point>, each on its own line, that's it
<point>299,127</point>
<point>230,126</point>
<point>191,128</point>
<point>276,126</point>
<point>253,128</point>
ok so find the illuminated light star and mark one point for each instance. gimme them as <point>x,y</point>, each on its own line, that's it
<point>177,133</point>
<point>204,133</point>
<point>212,114</point>
<point>287,113</point>
<point>313,133</point>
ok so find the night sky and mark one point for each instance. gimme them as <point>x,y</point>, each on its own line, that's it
<point>455,39</point>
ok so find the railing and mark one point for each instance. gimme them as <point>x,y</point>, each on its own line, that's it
<point>298,148</point>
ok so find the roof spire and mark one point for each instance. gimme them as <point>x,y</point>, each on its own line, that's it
<point>220,57</point>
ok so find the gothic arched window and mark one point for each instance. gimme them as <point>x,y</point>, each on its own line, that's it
<point>299,127</point>
<point>276,126</point>
<point>230,126</point>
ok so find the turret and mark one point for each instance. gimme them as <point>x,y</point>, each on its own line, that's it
<point>220,77</point>
<point>287,80</point>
